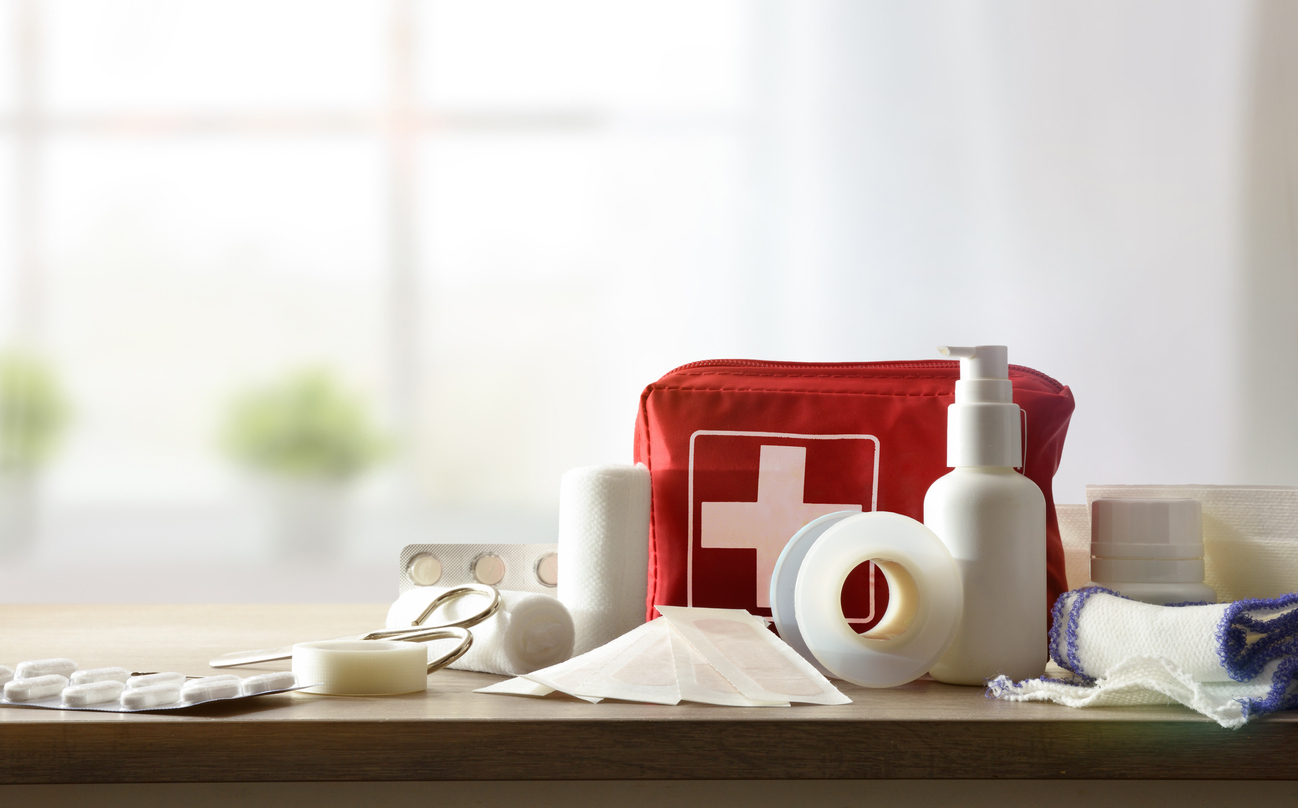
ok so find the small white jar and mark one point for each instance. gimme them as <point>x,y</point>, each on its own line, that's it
<point>1150,550</point>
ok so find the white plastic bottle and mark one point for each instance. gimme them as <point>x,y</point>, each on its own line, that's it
<point>993,520</point>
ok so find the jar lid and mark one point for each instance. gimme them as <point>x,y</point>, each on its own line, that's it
<point>1138,528</point>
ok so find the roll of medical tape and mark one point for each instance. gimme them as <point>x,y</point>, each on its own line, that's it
<point>784,578</point>
<point>925,597</point>
<point>361,667</point>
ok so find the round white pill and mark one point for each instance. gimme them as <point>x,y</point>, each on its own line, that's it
<point>424,569</point>
<point>547,569</point>
<point>489,569</point>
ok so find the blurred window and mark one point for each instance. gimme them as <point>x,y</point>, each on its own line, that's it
<point>463,212</point>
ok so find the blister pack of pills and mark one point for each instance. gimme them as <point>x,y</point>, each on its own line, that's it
<point>57,684</point>
<point>515,567</point>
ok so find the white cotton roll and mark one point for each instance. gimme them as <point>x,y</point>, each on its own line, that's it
<point>604,550</point>
<point>529,632</point>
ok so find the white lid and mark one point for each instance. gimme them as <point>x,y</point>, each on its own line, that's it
<point>1137,528</point>
<point>983,425</point>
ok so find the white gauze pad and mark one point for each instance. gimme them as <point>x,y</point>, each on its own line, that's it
<point>529,632</point>
<point>37,687</point>
<point>6,673</point>
<point>101,675</point>
<point>45,667</point>
<point>88,693</point>
<point>604,550</point>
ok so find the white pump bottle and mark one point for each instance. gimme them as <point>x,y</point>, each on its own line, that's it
<point>993,520</point>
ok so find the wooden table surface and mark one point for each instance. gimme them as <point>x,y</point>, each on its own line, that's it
<point>921,730</point>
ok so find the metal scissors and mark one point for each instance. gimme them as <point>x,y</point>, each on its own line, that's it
<point>417,632</point>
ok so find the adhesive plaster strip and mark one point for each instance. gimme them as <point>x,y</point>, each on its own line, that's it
<point>749,656</point>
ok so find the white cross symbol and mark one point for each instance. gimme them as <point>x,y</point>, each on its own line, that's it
<point>769,523</point>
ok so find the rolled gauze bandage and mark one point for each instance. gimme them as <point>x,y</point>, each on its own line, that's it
<point>529,632</point>
<point>604,550</point>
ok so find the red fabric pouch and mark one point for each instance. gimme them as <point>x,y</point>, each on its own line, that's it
<point>744,453</point>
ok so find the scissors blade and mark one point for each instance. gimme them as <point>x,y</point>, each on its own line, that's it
<point>239,658</point>
<point>261,655</point>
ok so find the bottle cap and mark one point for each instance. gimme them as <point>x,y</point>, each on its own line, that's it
<point>984,427</point>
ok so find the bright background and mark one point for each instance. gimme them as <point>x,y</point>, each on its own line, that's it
<point>497,220</point>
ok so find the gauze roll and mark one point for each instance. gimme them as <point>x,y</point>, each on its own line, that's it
<point>1228,661</point>
<point>604,550</point>
<point>529,631</point>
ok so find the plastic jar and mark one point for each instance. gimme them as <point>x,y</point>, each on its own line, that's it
<point>1150,550</point>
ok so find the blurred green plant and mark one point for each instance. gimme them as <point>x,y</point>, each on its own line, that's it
<point>33,412</point>
<point>306,427</point>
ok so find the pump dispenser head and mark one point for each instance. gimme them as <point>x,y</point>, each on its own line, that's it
<point>983,425</point>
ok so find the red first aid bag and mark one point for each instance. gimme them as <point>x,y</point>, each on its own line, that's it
<point>743,453</point>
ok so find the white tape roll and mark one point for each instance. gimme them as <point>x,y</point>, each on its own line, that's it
<point>784,578</point>
<point>361,667</point>
<point>924,599</point>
